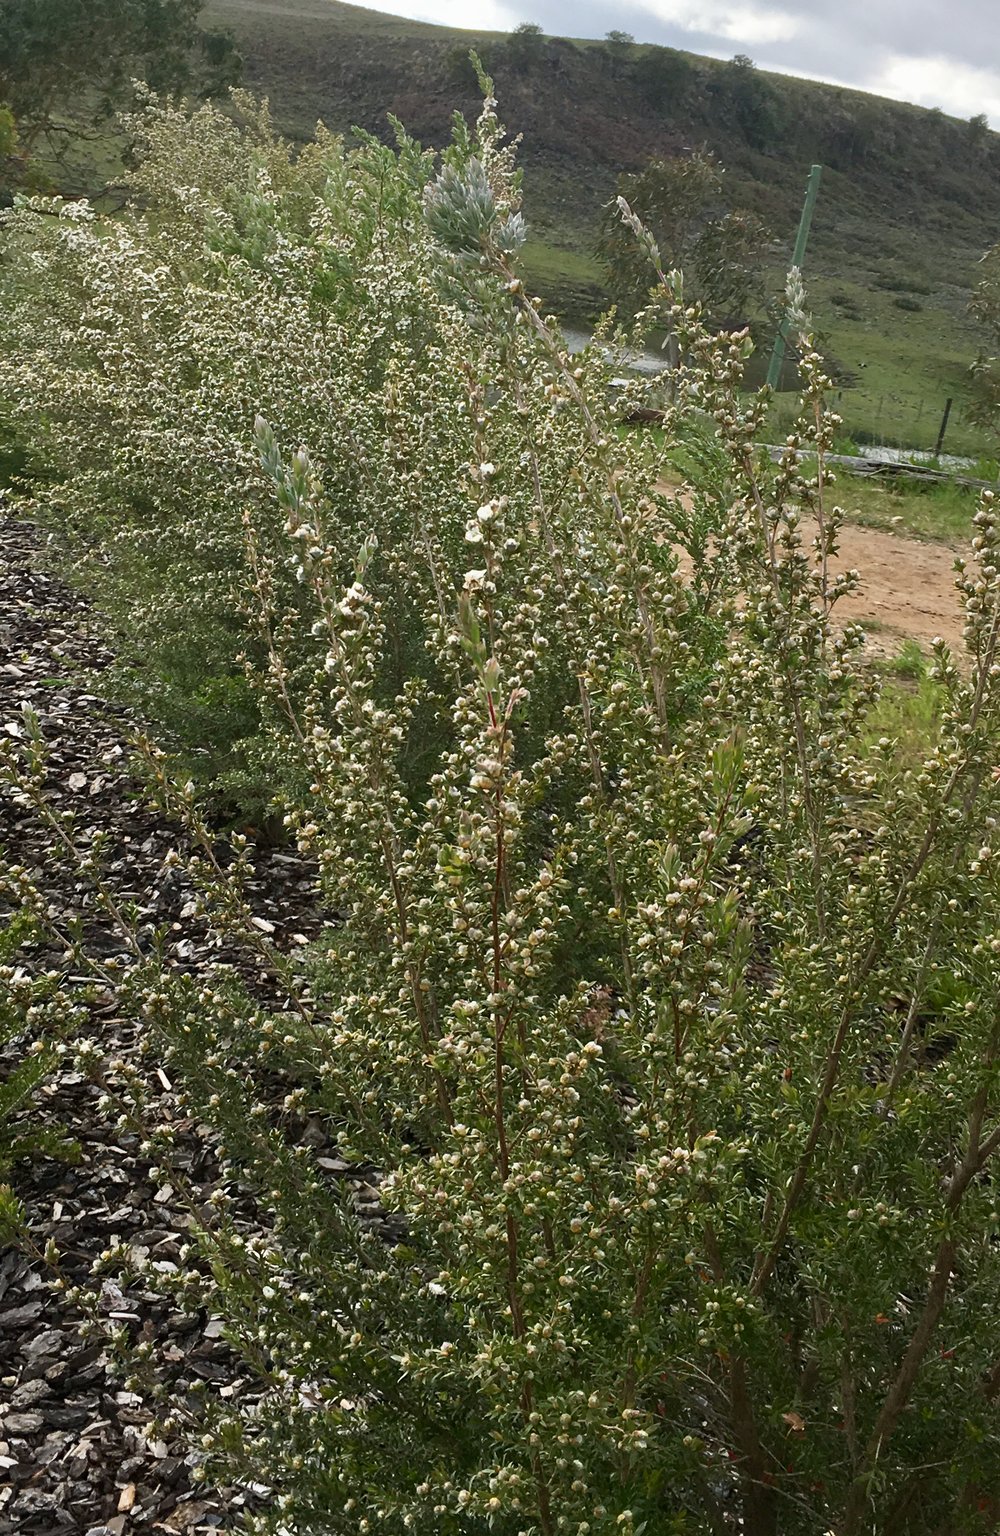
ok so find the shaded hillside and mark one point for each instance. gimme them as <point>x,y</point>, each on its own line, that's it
<point>910,197</point>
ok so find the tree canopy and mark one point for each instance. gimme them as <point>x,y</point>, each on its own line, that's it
<point>526,46</point>
<point>680,202</point>
<point>67,63</point>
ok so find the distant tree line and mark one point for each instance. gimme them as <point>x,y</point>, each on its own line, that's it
<point>844,129</point>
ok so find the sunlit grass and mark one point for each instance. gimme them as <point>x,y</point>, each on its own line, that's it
<point>908,712</point>
<point>926,510</point>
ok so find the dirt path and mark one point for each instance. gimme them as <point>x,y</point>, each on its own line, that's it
<point>907,588</point>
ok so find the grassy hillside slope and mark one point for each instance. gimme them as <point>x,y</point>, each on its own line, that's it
<point>910,198</point>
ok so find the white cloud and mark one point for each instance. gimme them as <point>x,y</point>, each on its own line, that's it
<point>748,24</point>
<point>960,89</point>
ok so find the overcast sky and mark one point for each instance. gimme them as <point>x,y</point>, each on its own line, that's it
<point>940,53</point>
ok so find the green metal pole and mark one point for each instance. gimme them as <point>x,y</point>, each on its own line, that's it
<point>801,240</point>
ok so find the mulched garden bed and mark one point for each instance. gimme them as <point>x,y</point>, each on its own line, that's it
<point>75,1455</point>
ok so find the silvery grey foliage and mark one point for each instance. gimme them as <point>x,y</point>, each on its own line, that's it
<point>511,233</point>
<point>460,207</point>
<point>795,297</point>
<point>462,214</point>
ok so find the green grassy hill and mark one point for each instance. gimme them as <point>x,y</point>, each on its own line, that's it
<point>909,202</point>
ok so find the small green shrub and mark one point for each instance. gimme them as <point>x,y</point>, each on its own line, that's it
<point>895,282</point>
<point>460,69</point>
<point>908,715</point>
<point>909,663</point>
<point>524,48</point>
<point>848,306</point>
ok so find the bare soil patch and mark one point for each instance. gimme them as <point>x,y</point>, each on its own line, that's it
<point>907,589</point>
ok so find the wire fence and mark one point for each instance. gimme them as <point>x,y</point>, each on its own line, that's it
<point>930,425</point>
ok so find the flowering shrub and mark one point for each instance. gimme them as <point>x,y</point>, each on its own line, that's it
<point>664,1007</point>
<point>138,351</point>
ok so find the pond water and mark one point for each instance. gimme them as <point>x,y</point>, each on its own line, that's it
<point>647,362</point>
<point>913,456</point>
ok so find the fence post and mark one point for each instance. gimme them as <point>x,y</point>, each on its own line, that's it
<point>944,428</point>
<point>812,191</point>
